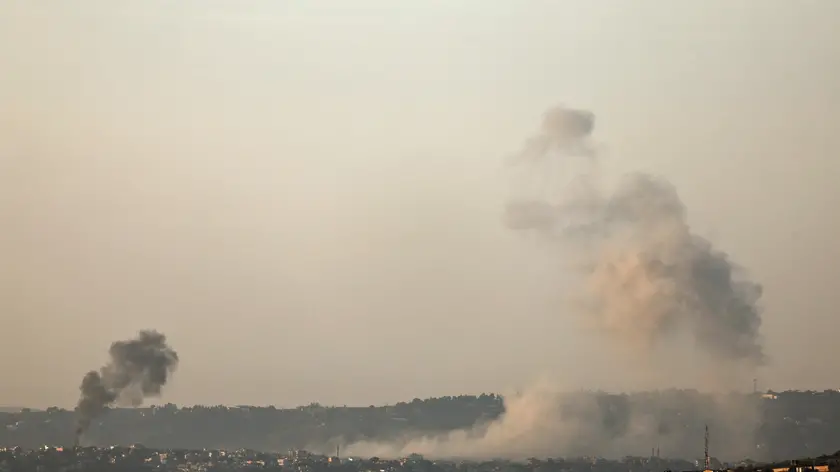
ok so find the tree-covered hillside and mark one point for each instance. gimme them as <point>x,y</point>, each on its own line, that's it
<point>761,427</point>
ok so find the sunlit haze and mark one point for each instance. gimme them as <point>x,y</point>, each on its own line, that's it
<point>306,197</point>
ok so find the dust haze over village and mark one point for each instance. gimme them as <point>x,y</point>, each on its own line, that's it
<point>317,204</point>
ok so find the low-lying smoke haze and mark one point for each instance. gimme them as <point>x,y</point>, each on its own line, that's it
<point>547,420</point>
<point>308,198</point>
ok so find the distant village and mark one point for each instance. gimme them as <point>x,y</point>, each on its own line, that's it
<point>140,458</point>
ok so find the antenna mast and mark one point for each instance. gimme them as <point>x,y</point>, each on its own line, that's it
<point>708,462</point>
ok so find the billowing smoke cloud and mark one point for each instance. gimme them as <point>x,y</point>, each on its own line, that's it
<point>138,369</point>
<point>648,275</point>
<point>646,279</point>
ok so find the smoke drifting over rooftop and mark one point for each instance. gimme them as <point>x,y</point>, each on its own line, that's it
<point>138,369</point>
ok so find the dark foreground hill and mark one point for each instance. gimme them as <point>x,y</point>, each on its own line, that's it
<point>760,427</point>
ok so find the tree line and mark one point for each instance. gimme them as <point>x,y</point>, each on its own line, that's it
<point>785,424</point>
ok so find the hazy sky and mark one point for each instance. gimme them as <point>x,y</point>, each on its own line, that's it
<point>306,196</point>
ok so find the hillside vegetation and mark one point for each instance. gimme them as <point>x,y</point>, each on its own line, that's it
<point>786,424</point>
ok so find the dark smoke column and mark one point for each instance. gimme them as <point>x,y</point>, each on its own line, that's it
<point>138,369</point>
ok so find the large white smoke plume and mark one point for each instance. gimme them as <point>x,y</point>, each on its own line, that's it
<point>646,280</point>
<point>647,274</point>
